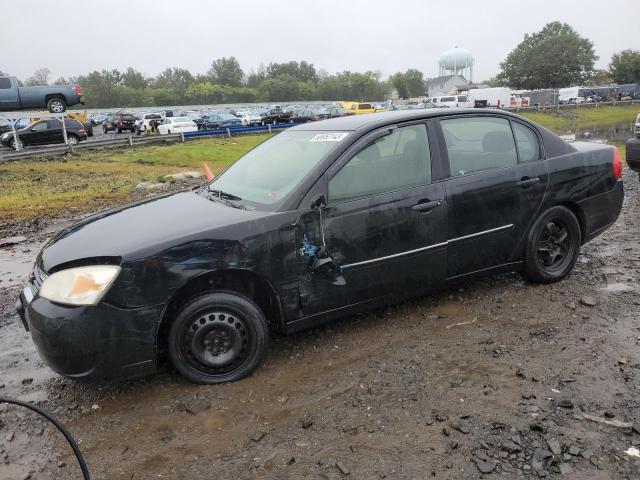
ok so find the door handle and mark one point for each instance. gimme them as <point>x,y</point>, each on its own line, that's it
<point>526,182</point>
<point>427,206</point>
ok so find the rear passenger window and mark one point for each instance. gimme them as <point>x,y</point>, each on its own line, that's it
<point>527,141</point>
<point>478,144</point>
<point>5,83</point>
<point>391,163</point>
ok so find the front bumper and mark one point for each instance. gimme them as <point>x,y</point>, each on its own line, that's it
<point>101,341</point>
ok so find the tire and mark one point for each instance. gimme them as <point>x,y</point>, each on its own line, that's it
<point>218,337</point>
<point>57,105</point>
<point>73,140</point>
<point>553,246</point>
<point>13,142</point>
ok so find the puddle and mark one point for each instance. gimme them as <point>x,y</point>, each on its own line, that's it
<point>619,133</point>
<point>16,264</point>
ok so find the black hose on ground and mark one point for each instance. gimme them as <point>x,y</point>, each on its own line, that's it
<point>59,426</point>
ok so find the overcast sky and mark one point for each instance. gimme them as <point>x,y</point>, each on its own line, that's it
<point>71,37</point>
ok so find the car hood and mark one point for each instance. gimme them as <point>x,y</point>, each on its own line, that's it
<point>139,229</point>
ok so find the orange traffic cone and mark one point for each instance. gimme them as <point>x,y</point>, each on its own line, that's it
<point>207,171</point>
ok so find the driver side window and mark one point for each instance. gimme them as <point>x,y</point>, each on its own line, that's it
<point>394,162</point>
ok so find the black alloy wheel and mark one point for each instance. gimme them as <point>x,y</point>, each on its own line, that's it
<point>553,246</point>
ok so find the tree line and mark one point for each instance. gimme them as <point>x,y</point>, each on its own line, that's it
<point>556,56</point>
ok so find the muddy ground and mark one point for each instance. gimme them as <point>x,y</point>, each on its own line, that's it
<point>491,378</point>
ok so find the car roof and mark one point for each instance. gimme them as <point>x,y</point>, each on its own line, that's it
<point>373,120</point>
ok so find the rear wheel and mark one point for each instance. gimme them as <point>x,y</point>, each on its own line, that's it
<point>553,246</point>
<point>218,337</point>
<point>56,105</point>
<point>73,140</point>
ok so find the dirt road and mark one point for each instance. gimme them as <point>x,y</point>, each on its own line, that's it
<point>493,377</point>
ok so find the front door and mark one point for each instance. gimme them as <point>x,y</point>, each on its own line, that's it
<point>385,224</point>
<point>34,134</point>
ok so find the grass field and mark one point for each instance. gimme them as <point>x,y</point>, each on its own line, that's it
<point>89,181</point>
<point>580,118</point>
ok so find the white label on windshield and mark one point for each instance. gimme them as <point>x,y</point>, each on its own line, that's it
<point>329,137</point>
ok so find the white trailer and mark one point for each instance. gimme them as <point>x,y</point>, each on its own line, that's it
<point>491,97</point>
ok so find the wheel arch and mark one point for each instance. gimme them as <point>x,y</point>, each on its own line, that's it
<point>245,282</point>
<point>51,96</point>
<point>580,215</point>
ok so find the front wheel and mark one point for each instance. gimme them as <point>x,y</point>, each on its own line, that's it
<point>218,337</point>
<point>15,144</point>
<point>553,246</point>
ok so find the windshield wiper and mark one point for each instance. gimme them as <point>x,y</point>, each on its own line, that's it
<point>225,195</point>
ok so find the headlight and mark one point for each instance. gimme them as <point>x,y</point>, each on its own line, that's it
<point>79,286</point>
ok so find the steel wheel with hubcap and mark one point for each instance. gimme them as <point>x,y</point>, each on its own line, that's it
<point>218,337</point>
<point>553,245</point>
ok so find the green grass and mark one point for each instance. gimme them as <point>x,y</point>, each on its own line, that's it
<point>90,181</point>
<point>585,117</point>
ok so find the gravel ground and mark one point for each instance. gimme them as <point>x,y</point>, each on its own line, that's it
<point>491,378</point>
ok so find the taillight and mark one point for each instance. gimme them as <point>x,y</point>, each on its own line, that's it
<point>617,164</point>
<point>81,130</point>
<point>79,90</point>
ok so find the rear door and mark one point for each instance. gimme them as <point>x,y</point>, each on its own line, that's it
<point>385,224</point>
<point>483,198</point>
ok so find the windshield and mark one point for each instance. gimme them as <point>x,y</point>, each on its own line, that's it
<point>269,172</point>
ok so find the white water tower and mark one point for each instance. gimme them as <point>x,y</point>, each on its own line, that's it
<point>457,61</point>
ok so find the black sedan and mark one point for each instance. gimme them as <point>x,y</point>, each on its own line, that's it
<point>320,221</point>
<point>45,132</point>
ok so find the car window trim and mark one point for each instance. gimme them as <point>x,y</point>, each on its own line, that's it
<point>363,143</point>
<point>536,134</point>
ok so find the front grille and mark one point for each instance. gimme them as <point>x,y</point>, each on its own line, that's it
<point>37,277</point>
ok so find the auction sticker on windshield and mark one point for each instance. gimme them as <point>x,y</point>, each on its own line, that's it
<point>329,137</point>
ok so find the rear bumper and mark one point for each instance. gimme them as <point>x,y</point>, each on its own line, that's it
<point>95,342</point>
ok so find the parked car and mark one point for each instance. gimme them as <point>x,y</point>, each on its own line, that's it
<point>119,123</point>
<point>143,123</point>
<point>250,118</point>
<point>216,121</point>
<point>45,132</point>
<point>303,116</point>
<point>55,98</point>
<point>195,117</point>
<point>335,112</point>
<point>5,126</point>
<point>318,222</point>
<point>633,153</point>
<point>359,108</point>
<point>177,125</point>
<point>275,116</point>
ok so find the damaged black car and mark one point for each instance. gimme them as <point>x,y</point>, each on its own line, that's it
<point>319,222</point>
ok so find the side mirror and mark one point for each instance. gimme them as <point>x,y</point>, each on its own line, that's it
<point>319,202</point>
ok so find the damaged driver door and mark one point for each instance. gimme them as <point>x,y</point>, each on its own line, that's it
<point>383,229</point>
